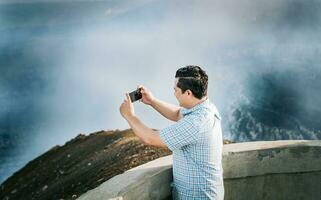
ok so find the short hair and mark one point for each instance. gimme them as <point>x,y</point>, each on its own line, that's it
<point>192,78</point>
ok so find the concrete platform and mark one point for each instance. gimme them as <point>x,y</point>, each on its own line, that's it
<point>287,169</point>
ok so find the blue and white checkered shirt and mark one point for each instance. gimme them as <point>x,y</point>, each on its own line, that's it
<point>196,142</point>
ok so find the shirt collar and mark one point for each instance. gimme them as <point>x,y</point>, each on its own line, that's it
<point>185,111</point>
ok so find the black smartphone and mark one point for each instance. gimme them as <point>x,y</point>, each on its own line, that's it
<point>135,95</point>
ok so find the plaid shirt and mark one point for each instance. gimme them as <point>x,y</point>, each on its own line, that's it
<point>196,142</point>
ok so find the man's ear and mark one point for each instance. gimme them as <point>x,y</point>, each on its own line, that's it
<point>189,92</point>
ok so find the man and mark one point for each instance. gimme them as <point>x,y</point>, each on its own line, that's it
<point>195,139</point>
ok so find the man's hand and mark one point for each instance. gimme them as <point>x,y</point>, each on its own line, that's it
<point>147,96</point>
<point>127,108</point>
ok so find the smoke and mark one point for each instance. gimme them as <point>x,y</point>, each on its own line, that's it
<point>65,66</point>
<point>148,43</point>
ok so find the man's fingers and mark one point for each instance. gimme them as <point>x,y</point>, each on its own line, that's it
<point>128,98</point>
<point>141,87</point>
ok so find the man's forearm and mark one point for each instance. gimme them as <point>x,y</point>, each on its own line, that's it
<point>169,111</point>
<point>142,131</point>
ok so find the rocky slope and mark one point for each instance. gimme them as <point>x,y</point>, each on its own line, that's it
<point>65,172</point>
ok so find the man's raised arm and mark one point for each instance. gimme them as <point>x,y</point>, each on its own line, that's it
<point>169,111</point>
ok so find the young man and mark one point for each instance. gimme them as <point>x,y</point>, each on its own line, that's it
<point>195,139</point>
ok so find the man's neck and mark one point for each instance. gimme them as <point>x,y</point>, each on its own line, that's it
<point>197,101</point>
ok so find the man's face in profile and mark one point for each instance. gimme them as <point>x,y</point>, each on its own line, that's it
<point>178,93</point>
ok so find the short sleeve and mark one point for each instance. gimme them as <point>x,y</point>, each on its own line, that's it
<point>179,134</point>
<point>183,111</point>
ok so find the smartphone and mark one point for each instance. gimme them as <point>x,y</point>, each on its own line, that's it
<point>135,95</point>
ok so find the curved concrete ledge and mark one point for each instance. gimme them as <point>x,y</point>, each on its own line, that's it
<point>287,169</point>
<point>275,157</point>
<point>148,181</point>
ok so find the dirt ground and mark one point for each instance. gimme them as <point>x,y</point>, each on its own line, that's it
<point>83,163</point>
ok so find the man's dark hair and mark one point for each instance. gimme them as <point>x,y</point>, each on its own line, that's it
<point>192,78</point>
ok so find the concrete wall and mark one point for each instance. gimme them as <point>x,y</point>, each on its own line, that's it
<point>273,170</point>
<point>253,170</point>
